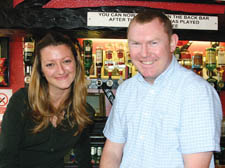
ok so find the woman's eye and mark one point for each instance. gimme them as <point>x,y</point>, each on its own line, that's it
<point>49,65</point>
<point>67,61</point>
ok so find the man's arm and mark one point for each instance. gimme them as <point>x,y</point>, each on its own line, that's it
<point>197,160</point>
<point>111,155</point>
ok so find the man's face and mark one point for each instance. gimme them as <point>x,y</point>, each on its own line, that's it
<point>150,48</point>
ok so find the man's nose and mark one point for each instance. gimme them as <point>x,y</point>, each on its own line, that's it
<point>144,50</point>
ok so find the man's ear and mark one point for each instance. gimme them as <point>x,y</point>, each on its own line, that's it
<point>173,42</point>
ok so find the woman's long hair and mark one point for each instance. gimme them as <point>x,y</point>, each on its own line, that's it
<point>74,105</point>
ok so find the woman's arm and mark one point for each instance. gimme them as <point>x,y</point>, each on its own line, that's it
<point>11,133</point>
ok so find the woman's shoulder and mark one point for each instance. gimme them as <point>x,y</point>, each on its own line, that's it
<point>20,95</point>
<point>21,92</point>
<point>17,104</point>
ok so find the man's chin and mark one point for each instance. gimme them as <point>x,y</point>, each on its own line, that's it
<point>148,78</point>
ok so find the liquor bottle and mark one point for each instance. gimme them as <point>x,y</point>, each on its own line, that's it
<point>214,44</point>
<point>210,59</point>
<point>99,60</point>
<point>109,64</point>
<point>185,55</point>
<point>220,83</point>
<point>177,53</point>
<point>187,63</point>
<point>120,53</point>
<point>212,80</point>
<point>221,56</point>
<point>28,52</point>
<point>121,62</point>
<point>197,62</point>
<point>197,59</point>
<point>99,153</point>
<point>93,155</point>
<point>128,65</point>
<point>99,63</point>
<point>223,127</point>
<point>134,70</point>
<point>87,46</point>
<point>186,46</point>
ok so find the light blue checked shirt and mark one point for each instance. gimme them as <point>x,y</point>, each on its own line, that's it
<point>179,114</point>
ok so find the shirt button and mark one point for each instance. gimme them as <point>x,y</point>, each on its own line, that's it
<point>161,116</point>
<point>52,149</point>
<point>152,92</point>
<point>145,114</point>
<point>142,137</point>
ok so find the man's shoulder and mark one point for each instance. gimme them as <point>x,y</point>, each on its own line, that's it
<point>129,83</point>
<point>189,80</point>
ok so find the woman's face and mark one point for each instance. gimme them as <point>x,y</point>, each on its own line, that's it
<point>58,67</point>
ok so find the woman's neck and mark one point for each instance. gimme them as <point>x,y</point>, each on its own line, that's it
<point>58,97</point>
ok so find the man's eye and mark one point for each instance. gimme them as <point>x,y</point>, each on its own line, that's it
<point>134,44</point>
<point>154,43</point>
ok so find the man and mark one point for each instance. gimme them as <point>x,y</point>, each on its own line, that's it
<point>166,116</point>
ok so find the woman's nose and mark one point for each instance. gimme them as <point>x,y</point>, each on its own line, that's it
<point>60,68</point>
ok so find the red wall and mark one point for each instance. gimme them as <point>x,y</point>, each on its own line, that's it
<point>174,6</point>
<point>16,74</point>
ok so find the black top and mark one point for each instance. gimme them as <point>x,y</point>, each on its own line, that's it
<point>19,148</point>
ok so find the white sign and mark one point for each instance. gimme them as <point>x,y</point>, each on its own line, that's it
<point>194,22</point>
<point>5,95</point>
<point>115,19</point>
<point>109,19</point>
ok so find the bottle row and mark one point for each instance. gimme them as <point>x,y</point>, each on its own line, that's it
<point>214,57</point>
<point>208,62</point>
<point>109,60</point>
<point>211,57</point>
<point>96,152</point>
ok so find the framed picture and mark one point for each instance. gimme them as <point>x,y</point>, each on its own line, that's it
<point>97,101</point>
<point>4,61</point>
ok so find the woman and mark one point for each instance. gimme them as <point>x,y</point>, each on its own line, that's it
<point>45,121</point>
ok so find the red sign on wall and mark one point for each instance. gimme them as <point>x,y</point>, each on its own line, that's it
<point>5,95</point>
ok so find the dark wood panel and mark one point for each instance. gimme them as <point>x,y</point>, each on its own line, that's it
<point>74,21</point>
